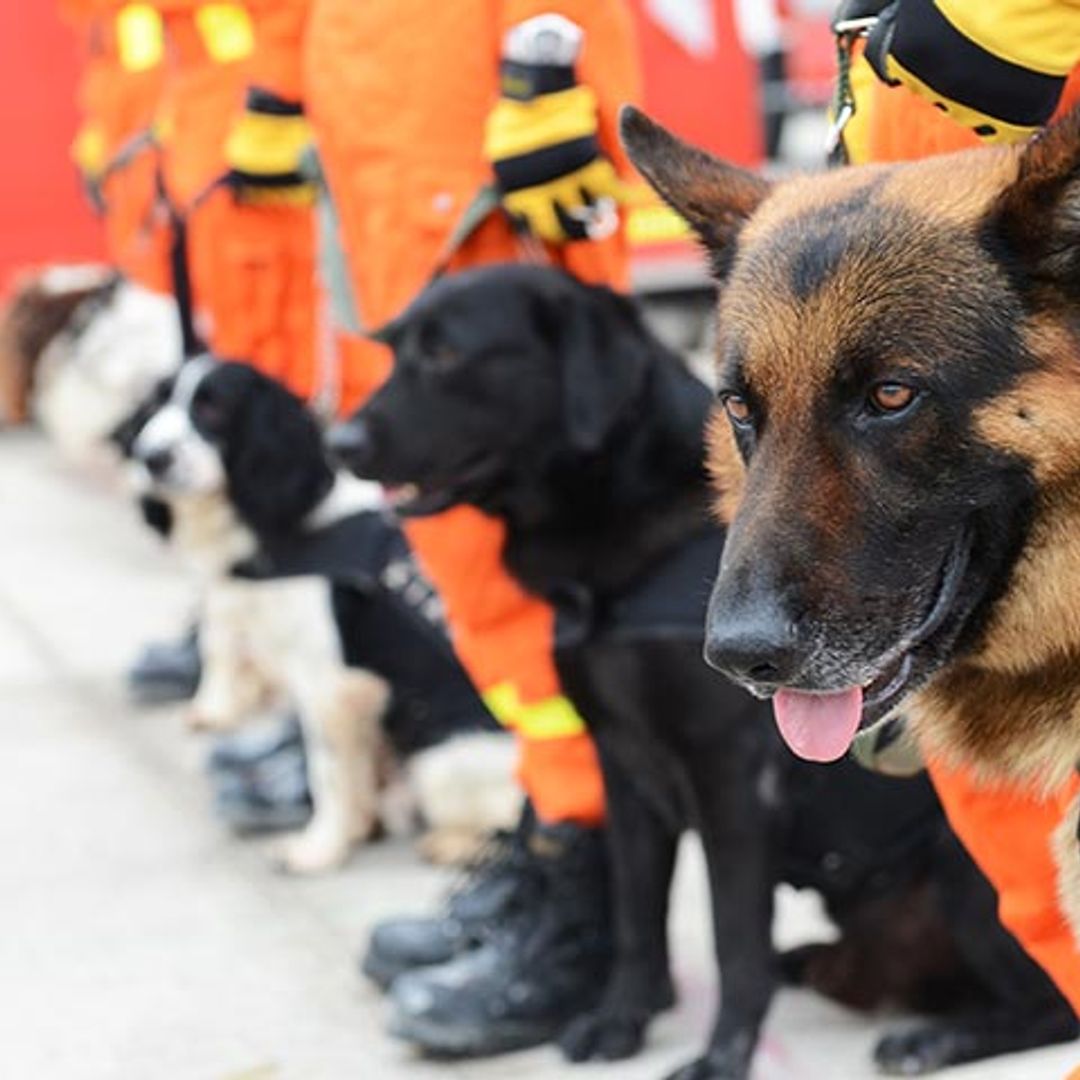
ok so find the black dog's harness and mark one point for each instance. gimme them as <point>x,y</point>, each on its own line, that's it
<point>666,603</point>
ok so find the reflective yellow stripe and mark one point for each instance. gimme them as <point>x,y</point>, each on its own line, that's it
<point>140,38</point>
<point>553,718</point>
<point>88,150</point>
<point>657,224</point>
<point>502,702</point>
<point>164,125</point>
<point>962,114</point>
<point>226,31</point>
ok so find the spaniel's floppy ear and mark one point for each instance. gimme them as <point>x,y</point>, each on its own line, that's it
<point>715,198</point>
<point>605,353</point>
<point>274,461</point>
<point>1037,216</point>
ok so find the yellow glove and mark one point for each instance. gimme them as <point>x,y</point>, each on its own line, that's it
<point>541,138</point>
<point>265,150</point>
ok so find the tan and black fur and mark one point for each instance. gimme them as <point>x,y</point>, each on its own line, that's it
<point>929,555</point>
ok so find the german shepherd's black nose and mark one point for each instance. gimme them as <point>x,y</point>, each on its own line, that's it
<point>756,646</point>
<point>351,443</point>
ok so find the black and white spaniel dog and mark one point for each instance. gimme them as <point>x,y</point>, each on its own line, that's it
<point>311,598</point>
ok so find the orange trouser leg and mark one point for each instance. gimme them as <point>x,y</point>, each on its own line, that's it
<point>363,367</point>
<point>501,634</point>
<point>562,778</point>
<point>1009,833</point>
<point>137,234</point>
<point>253,270</point>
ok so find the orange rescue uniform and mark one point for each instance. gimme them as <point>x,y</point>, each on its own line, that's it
<point>252,267</point>
<point>398,92</point>
<point>118,95</point>
<point>1007,829</point>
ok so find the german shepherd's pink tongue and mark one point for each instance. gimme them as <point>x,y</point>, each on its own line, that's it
<point>818,727</point>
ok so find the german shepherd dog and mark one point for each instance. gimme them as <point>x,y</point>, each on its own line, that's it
<point>899,364</point>
<point>548,404</point>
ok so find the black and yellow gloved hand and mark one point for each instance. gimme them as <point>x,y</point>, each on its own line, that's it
<point>998,67</point>
<point>265,152</point>
<point>541,138</point>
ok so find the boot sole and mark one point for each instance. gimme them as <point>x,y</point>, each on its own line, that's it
<point>383,971</point>
<point>439,1040</point>
<point>250,822</point>
<point>161,693</point>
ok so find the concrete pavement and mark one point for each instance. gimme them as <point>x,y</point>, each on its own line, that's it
<point>141,942</point>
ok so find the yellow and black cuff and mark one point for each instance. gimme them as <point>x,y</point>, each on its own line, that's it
<point>980,84</point>
<point>537,141</point>
<point>267,144</point>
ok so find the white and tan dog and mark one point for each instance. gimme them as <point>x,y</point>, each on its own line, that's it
<point>239,463</point>
<point>80,347</point>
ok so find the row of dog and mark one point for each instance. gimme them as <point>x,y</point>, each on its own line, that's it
<point>590,447</point>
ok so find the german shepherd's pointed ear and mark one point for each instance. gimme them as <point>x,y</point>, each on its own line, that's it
<point>715,198</point>
<point>1038,214</point>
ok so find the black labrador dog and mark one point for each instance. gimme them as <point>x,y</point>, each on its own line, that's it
<point>548,403</point>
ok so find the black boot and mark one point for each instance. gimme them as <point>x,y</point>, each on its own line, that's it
<point>492,887</point>
<point>167,671</point>
<point>533,975</point>
<point>259,777</point>
<point>254,743</point>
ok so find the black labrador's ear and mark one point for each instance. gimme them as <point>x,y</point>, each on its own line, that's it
<point>715,198</point>
<point>605,352</point>
<point>274,460</point>
<point>1037,215</point>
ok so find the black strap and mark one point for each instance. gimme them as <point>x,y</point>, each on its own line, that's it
<point>179,266</point>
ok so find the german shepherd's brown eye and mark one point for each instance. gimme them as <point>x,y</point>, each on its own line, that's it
<point>737,407</point>
<point>892,397</point>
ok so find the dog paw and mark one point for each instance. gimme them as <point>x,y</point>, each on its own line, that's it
<point>913,1053</point>
<point>200,718</point>
<point>449,847</point>
<point>310,854</point>
<point>604,1035</point>
<point>795,963</point>
<point>719,1064</point>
